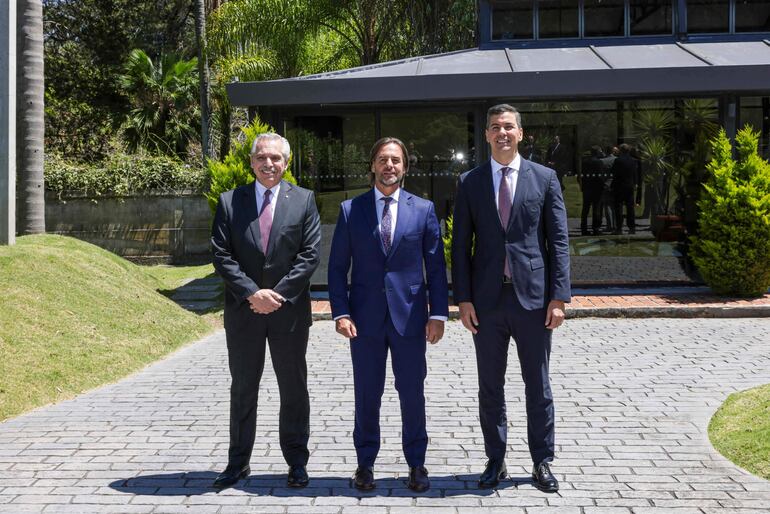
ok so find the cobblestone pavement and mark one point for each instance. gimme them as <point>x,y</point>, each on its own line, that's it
<point>633,399</point>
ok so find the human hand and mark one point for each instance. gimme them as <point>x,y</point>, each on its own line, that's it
<point>265,301</point>
<point>468,316</point>
<point>555,314</point>
<point>346,327</point>
<point>434,330</point>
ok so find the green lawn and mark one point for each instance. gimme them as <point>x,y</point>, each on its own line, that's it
<point>740,430</point>
<point>74,316</point>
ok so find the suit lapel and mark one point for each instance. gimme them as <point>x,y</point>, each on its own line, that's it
<point>249,198</point>
<point>522,185</point>
<point>370,214</point>
<point>489,199</point>
<point>282,205</point>
<point>403,219</point>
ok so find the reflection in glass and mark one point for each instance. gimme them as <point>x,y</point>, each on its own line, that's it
<point>558,18</point>
<point>512,20</point>
<point>330,156</point>
<point>705,16</point>
<point>650,17</point>
<point>752,16</point>
<point>440,146</point>
<point>603,18</point>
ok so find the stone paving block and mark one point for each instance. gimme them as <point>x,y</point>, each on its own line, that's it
<point>633,399</point>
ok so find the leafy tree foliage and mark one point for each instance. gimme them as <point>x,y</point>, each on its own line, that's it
<point>235,169</point>
<point>165,116</point>
<point>732,249</point>
<point>87,43</point>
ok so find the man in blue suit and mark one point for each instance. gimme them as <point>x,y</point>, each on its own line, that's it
<point>393,241</point>
<point>513,281</point>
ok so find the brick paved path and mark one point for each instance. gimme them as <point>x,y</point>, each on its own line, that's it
<point>633,399</point>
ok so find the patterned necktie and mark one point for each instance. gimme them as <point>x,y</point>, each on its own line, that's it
<point>386,224</point>
<point>265,220</point>
<point>504,208</point>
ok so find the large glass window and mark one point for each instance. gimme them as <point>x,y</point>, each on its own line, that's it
<point>705,16</point>
<point>330,155</point>
<point>650,17</point>
<point>440,147</point>
<point>755,111</point>
<point>558,18</point>
<point>752,16</point>
<point>512,19</point>
<point>604,18</point>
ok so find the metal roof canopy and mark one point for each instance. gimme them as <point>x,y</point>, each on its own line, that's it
<point>530,73</point>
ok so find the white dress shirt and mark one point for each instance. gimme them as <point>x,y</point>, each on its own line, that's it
<point>497,175</point>
<point>261,195</point>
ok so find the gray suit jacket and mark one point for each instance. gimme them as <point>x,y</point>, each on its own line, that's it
<point>292,257</point>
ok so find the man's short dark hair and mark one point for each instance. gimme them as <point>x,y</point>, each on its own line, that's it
<point>625,148</point>
<point>499,109</point>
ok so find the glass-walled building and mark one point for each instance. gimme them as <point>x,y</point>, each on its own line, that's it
<point>589,77</point>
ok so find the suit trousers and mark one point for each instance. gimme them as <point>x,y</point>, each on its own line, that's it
<point>533,346</point>
<point>369,354</point>
<point>246,344</point>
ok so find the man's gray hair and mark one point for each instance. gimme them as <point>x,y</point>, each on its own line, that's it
<point>272,136</point>
<point>499,109</point>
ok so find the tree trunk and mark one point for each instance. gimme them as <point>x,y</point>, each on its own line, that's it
<point>30,117</point>
<point>203,74</point>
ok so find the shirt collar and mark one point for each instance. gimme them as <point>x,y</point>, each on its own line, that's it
<point>515,164</point>
<point>261,189</point>
<point>378,194</point>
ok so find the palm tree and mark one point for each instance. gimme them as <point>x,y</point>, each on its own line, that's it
<point>30,117</point>
<point>163,118</point>
<point>203,73</point>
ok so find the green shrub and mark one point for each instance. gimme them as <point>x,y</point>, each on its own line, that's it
<point>235,170</point>
<point>732,250</point>
<point>447,237</point>
<point>122,175</point>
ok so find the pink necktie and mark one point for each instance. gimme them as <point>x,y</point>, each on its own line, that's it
<point>504,209</point>
<point>265,221</point>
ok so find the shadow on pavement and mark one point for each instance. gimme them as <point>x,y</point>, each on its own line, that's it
<point>198,483</point>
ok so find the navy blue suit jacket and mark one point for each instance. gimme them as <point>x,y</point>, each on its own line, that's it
<point>396,282</point>
<point>535,241</point>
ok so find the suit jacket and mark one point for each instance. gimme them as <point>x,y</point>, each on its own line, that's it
<point>292,257</point>
<point>394,283</point>
<point>625,173</point>
<point>535,241</point>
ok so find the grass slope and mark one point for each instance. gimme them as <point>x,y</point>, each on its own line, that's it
<point>740,430</point>
<point>74,316</point>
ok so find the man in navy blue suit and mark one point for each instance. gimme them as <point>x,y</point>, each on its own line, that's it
<point>513,281</point>
<point>393,241</point>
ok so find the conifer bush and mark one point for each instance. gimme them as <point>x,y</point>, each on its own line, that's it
<point>235,170</point>
<point>732,249</point>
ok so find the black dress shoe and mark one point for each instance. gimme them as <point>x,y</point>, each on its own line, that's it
<point>418,479</point>
<point>494,472</point>
<point>363,480</point>
<point>230,476</point>
<point>297,477</point>
<point>544,479</point>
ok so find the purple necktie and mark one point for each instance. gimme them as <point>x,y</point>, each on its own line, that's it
<point>265,220</point>
<point>385,225</point>
<point>504,208</point>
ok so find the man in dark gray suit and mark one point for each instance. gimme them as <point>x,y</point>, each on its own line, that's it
<point>266,239</point>
<point>510,279</point>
